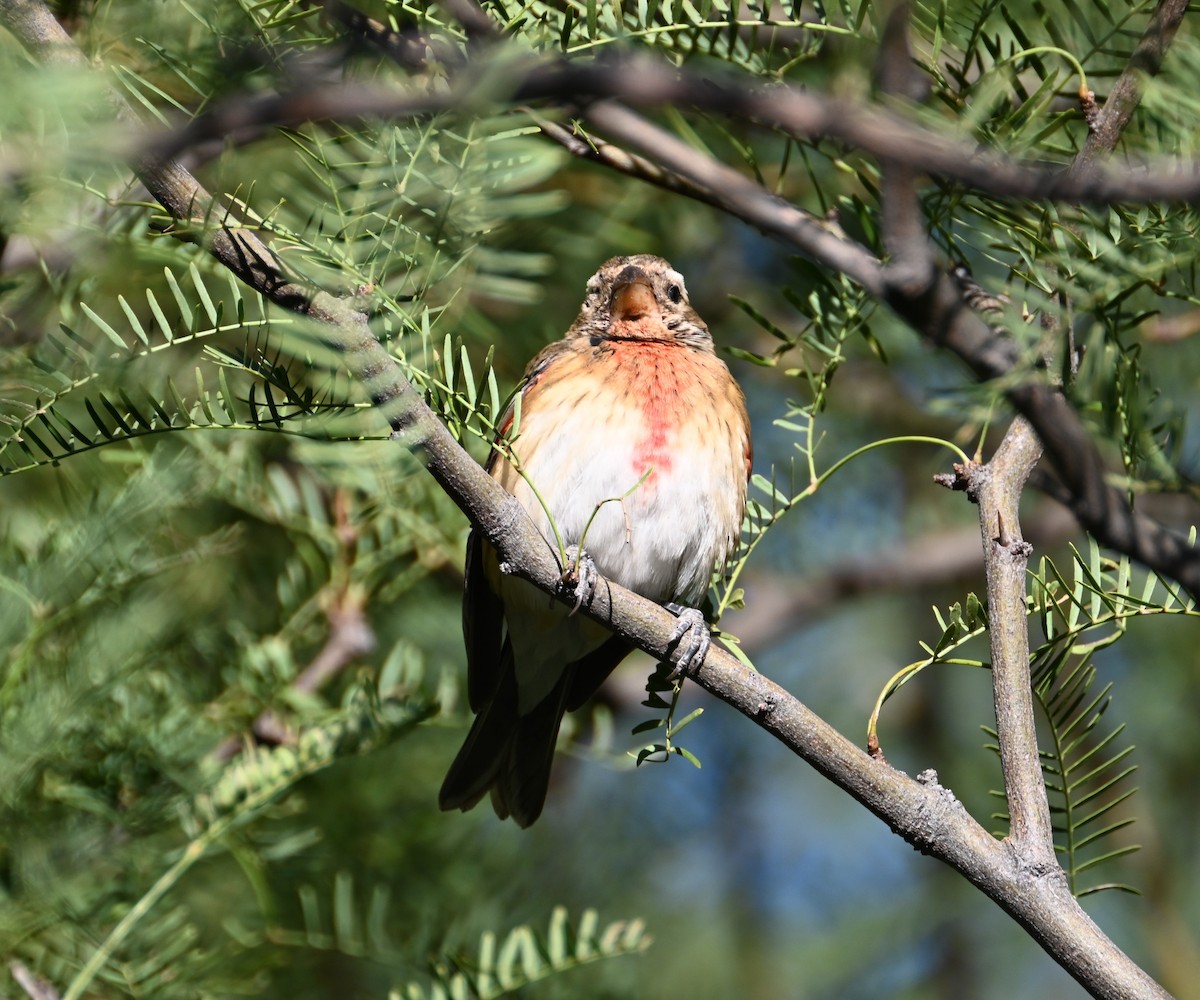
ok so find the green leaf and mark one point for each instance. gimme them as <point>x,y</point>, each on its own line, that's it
<point>205,300</point>
<point>107,330</point>
<point>134,322</point>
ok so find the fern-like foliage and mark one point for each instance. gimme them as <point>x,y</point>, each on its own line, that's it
<point>239,793</point>
<point>75,397</point>
<point>522,958</point>
<point>342,923</point>
<point>243,380</point>
<point>1086,767</point>
<point>764,39</point>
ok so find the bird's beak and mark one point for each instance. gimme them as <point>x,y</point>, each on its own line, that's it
<point>633,299</point>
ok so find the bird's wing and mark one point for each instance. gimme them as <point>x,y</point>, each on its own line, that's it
<point>533,374</point>
<point>483,610</point>
<point>483,623</point>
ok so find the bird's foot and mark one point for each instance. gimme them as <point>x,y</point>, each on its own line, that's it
<point>580,576</point>
<point>692,636</point>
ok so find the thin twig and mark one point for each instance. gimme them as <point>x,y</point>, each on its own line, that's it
<point>594,149</point>
<point>1167,329</point>
<point>1107,125</point>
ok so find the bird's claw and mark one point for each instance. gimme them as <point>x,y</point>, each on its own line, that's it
<point>692,636</point>
<point>581,576</point>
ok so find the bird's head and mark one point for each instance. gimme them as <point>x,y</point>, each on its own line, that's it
<point>640,298</point>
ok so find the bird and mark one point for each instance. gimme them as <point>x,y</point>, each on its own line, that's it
<point>633,436</point>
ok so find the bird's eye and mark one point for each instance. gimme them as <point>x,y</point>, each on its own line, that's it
<point>674,294</point>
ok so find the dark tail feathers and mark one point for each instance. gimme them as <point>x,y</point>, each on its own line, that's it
<point>508,754</point>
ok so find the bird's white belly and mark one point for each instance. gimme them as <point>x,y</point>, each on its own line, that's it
<point>647,498</point>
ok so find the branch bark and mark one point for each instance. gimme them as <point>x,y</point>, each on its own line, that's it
<point>997,487</point>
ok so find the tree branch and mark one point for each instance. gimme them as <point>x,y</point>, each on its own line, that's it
<point>776,604</point>
<point>644,83</point>
<point>1125,95</point>
<point>407,49</point>
<point>350,636</point>
<point>912,261</point>
<point>36,27</point>
<point>997,487</point>
<point>583,146</point>
<point>742,198</point>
